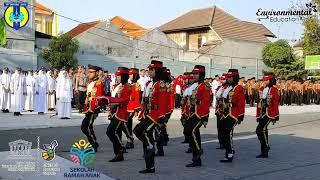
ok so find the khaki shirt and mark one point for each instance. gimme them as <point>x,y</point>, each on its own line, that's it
<point>81,82</point>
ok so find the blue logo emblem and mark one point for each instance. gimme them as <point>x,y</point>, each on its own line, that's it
<point>16,14</point>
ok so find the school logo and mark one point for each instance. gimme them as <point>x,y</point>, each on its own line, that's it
<point>49,153</point>
<point>16,14</point>
<point>82,152</point>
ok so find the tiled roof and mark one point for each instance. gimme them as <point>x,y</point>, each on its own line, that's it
<point>226,25</point>
<point>130,28</point>
<point>82,28</point>
<point>41,9</point>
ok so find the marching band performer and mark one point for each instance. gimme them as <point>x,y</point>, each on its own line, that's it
<point>119,113</point>
<point>267,111</point>
<point>234,107</point>
<point>144,130</point>
<point>200,103</point>
<point>92,105</point>
<point>134,105</point>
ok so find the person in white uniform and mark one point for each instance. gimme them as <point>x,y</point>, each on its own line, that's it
<point>5,90</point>
<point>64,95</point>
<point>18,91</point>
<point>41,89</point>
<point>30,83</point>
<point>214,85</point>
<point>51,91</point>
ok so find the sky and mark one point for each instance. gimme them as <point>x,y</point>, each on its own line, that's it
<point>153,13</point>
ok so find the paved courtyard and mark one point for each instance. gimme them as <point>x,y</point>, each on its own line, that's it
<point>294,141</point>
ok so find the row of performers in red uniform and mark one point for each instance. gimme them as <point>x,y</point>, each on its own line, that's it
<point>157,105</point>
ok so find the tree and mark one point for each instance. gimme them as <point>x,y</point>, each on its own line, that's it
<point>61,52</point>
<point>3,36</point>
<point>279,57</point>
<point>311,36</point>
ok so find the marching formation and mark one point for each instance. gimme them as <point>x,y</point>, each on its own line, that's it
<point>153,102</point>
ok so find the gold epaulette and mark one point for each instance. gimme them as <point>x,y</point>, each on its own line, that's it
<point>138,87</point>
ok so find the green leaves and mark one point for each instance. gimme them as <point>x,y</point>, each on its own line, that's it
<point>61,52</point>
<point>279,57</point>
<point>311,36</point>
<point>3,35</point>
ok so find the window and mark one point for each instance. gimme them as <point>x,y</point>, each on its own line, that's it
<point>38,25</point>
<point>49,28</point>
<point>199,41</point>
<point>109,50</point>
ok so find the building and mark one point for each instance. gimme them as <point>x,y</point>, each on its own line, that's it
<point>100,42</point>
<point>23,45</point>
<point>128,27</point>
<point>298,48</point>
<point>46,20</point>
<point>211,35</point>
<point>19,48</point>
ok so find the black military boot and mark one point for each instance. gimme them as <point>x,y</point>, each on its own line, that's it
<point>264,153</point>
<point>146,171</point>
<point>149,159</point>
<point>117,158</point>
<point>95,147</point>
<point>160,153</point>
<point>195,163</point>
<point>129,145</point>
<point>228,158</point>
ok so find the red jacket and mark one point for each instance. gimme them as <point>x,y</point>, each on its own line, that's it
<point>154,103</point>
<point>237,103</point>
<point>94,90</point>
<point>123,94</point>
<point>134,103</point>
<point>272,111</point>
<point>163,108</point>
<point>203,94</point>
<point>170,98</point>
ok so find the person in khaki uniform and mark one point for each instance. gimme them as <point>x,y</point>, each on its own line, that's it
<point>289,93</point>
<point>80,88</point>
<point>283,93</point>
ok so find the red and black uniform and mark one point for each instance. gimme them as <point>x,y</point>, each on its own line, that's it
<point>160,129</point>
<point>267,111</point>
<point>200,105</point>
<point>119,114</point>
<point>234,108</point>
<point>144,130</point>
<point>92,107</point>
<point>134,106</point>
<point>219,111</point>
<point>185,106</point>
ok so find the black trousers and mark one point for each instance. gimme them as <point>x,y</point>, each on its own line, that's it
<point>219,129</point>
<point>144,132</point>
<point>184,121</point>
<point>177,100</point>
<point>288,98</point>
<point>87,127</point>
<point>262,132</point>
<point>128,127</point>
<point>193,131</point>
<point>282,98</point>
<point>114,132</point>
<point>80,99</point>
<point>159,137</point>
<point>228,125</point>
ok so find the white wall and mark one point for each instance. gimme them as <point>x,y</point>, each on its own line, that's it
<point>97,41</point>
<point>145,50</point>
